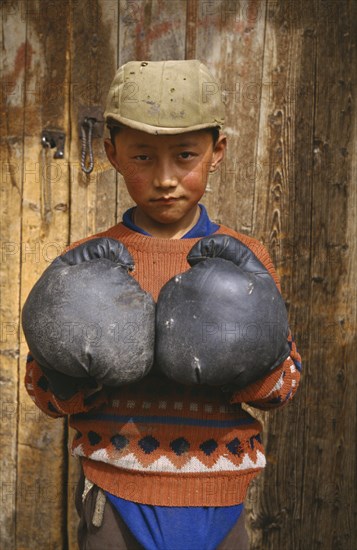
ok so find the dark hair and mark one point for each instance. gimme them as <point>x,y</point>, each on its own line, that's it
<point>114,130</point>
<point>215,134</point>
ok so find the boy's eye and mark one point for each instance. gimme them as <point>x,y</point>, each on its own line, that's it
<point>142,157</point>
<point>186,155</point>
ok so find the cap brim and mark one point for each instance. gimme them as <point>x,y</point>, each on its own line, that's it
<point>112,118</point>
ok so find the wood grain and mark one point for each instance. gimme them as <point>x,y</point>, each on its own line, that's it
<point>44,231</point>
<point>13,62</point>
<point>310,443</point>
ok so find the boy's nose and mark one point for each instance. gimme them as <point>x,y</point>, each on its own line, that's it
<point>164,178</point>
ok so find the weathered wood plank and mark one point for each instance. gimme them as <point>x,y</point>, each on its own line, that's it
<point>229,38</point>
<point>94,31</point>
<point>286,111</point>
<point>331,385</point>
<point>44,231</point>
<point>13,66</point>
<point>152,30</point>
<point>302,489</point>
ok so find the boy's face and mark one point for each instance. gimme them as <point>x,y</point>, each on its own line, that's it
<point>165,175</point>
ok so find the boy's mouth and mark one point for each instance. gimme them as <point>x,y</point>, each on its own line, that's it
<point>166,199</point>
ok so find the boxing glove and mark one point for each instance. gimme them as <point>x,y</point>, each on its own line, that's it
<point>223,322</point>
<point>87,317</point>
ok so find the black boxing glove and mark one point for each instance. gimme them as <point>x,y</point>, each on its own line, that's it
<point>223,322</point>
<point>86,318</point>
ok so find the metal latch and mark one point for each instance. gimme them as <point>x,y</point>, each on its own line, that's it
<point>54,139</point>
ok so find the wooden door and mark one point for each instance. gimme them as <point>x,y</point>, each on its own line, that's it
<point>287,72</point>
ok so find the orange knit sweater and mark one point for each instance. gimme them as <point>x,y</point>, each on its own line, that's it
<point>158,442</point>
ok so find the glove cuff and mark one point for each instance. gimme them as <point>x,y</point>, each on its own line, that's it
<point>227,248</point>
<point>99,248</point>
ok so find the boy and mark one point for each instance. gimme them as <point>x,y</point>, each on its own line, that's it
<point>166,465</point>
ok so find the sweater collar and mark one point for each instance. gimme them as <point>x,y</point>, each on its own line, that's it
<point>203,227</point>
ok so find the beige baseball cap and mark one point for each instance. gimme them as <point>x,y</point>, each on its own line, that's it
<point>164,97</point>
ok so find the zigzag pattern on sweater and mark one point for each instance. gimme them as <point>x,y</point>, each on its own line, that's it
<point>163,426</point>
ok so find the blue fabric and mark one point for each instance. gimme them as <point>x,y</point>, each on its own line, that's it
<point>174,527</point>
<point>177,528</point>
<point>203,227</point>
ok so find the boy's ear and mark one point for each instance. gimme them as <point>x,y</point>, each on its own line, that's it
<point>218,152</point>
<point>111,153</point>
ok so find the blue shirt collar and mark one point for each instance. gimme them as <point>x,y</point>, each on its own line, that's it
<point>203,227</point>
